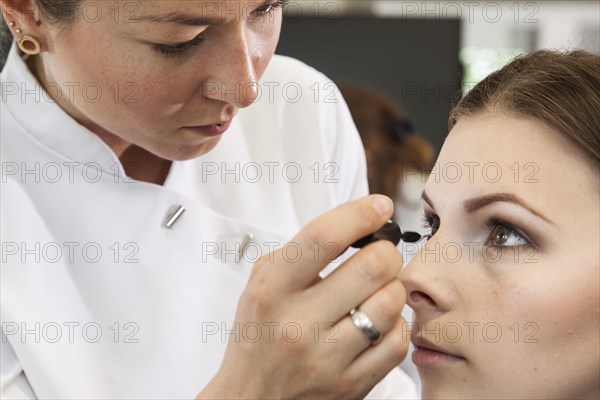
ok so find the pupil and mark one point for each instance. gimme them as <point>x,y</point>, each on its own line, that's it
<point>502,237</point>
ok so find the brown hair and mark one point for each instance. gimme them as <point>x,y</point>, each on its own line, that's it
<point>561,90</point>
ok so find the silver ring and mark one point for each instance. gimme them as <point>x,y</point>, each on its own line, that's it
<point>362,322</point>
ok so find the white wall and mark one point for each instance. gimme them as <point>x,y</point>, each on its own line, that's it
<point>493,32</point>
<point>492,24</point>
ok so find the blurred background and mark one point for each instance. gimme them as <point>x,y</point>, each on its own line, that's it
<point>401,65</point>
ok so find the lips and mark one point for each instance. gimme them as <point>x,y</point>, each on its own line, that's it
<point>211,130</point>
<point>420,341</point>
<point>429,355</point>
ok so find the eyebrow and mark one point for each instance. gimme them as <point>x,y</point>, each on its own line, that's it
<point>181,19</point>
<point>478,203</point>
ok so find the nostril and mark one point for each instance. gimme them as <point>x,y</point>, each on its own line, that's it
<point>418,297</point>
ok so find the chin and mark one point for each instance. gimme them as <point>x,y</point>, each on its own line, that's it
<point>446,387</point>
<point>188,152</point>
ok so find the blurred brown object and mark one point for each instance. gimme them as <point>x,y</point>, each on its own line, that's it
<point>391,145</point>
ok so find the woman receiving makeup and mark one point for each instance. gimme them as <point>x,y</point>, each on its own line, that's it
<point>506,289</point>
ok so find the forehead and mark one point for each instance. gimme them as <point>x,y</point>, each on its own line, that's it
<point>192,12</point>
<point>501,153</point>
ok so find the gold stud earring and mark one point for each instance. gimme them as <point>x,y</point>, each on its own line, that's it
<point>19,31</point>
<point>11,24</point>
<point>29,45</point>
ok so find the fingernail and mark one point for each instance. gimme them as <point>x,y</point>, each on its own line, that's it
<point>383,205</point>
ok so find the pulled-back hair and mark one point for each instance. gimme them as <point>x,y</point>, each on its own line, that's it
<point>559,89</point>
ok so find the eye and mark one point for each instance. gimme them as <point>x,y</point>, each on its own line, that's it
<point>504,234</point>
<point>176,49</point>
<point>432,223</point>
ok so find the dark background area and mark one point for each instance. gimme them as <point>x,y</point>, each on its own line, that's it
<point>415,62</point>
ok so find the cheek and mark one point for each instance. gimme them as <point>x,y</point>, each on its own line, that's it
<point>157,97</point>
<point>547,312</point>
<point>79,79</point>
<point>562,294</point>
<point>101,81</point>
<point>572,301</point>
<point>141,94</point>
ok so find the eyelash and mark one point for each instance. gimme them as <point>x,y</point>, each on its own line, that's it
<point>180,48</point>
<point>429,220</point>
<point>432,221</point>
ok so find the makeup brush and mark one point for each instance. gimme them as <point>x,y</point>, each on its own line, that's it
<point>390,232</point>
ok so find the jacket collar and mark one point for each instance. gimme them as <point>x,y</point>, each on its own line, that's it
<point>32,108</point>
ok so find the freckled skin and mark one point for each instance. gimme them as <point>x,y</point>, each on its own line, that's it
<point>545,302</point>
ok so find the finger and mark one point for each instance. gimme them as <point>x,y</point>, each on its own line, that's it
<point>378,360</point>
<point>384,309</point>
<point>326,237</point>
<point>357,279</point>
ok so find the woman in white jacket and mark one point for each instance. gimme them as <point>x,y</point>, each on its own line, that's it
<point>157,164</point>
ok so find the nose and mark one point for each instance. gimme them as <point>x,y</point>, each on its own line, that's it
<point>235,80</point>
<point>430,290</point>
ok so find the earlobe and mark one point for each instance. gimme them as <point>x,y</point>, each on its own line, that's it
<point>29,45</point>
